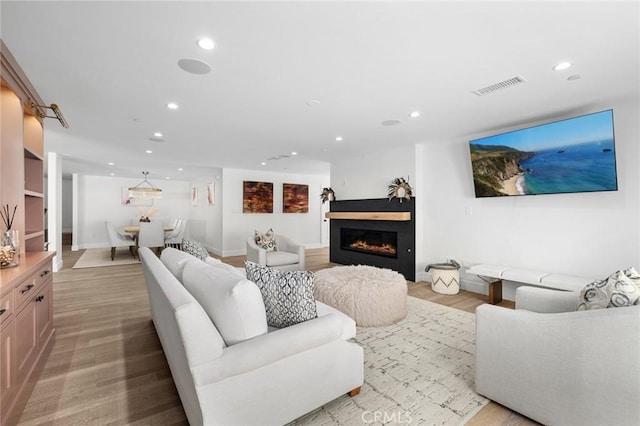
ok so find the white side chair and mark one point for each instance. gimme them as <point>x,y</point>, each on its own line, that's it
<point>151,235</point>
<point>174,239</point>
<point>290,256</point>
<point>117,239</point>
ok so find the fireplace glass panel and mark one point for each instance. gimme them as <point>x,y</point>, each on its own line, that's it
<point>379,243</point>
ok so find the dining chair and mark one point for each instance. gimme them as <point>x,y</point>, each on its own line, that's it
<point>151,235</point>
<point>174,238</point>
<point>117,239</point>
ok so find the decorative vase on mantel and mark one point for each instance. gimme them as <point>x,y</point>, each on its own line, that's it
<point>9,249</point>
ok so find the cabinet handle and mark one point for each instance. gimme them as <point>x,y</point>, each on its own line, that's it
<point>44,273</point>
<point>26,289</point>
<point>2,311</point>
<point>40,298</point>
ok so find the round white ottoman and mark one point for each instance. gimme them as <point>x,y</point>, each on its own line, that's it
<point>371,296</point>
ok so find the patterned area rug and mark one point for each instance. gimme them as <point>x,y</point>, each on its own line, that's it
<point>418,371</point>
<point>93,258</point>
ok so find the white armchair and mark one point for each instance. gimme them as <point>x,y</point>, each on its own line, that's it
<point>560,366</point>
<point>290,256</point>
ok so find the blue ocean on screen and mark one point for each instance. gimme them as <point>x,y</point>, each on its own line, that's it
<point>583,167</point>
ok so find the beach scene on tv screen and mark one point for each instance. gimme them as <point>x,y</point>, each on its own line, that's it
<point>573,155</point>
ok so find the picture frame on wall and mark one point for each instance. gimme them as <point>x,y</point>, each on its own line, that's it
<point>194,196</point>
<point>211,193</point>
<point>295,198</point>
<point>257,197</point>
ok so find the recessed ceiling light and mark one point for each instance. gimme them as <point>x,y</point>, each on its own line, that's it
<point>157,134</point>
<point>562,66</point>
<point>263,164</point>
<point>149,151</point>
<point>415,114</point>
<point>205,43</point>
<point>172,105</point>
<point>167,177</point>
<point>339,139</point>
<point>110,163</point>
<point>180,169</point>
<point>294,153</point>
<point>112,174</point>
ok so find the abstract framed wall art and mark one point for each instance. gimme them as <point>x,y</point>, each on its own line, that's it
<point>257,197</point>
<point>295,198</point>
<point>194,196</point>
<point>211,193</point>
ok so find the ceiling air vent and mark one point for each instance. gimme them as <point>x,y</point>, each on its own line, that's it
<point>518,79</point>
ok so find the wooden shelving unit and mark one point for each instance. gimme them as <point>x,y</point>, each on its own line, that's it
<point>26,290</point>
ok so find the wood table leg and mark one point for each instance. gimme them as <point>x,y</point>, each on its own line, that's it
<point>495,292</point>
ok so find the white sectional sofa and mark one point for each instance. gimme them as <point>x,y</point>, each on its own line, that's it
<point>230,368</point>
<point>557,365</point>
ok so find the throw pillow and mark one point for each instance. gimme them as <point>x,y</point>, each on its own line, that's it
<point>233,303</point>
<point>194,248</point>
<point>288,296</point>
<point>266,241</point>
<point>622,288</point>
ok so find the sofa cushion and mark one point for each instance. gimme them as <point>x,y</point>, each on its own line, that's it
<point>233,303</point>
<point>175,261</point>
<point>622,288</point>
<point>225,266</point>
<point>266,241</point>
<point>194,248</point>
<point>288,296</point>
<point>279,258</point>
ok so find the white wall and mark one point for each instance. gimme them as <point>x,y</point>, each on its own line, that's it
<point>98,200</point>
<point>369,174</point>
<point>589,234</point>
<point>205,220</point>
<point>304,228</point>
<point>67,205</point>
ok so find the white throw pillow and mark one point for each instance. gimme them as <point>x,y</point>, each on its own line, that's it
<point>288,296</point>
<point>225,266</point>
<point>234,304</point>
<point>622,288</point>
<point>175,261</point>
<point>266,241</point>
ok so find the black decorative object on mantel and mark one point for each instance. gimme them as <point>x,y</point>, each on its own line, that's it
<point>400,189</point>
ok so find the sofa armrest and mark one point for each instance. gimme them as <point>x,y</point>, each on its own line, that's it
<point>543,300</point>
<point>269,348</point>
<point>564,368</point>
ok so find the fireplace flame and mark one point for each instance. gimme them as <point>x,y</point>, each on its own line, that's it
<point>363,245</point>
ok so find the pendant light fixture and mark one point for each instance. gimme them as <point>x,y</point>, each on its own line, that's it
<point>142,191</point>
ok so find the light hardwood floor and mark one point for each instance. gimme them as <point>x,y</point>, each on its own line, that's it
<point>107,366</point>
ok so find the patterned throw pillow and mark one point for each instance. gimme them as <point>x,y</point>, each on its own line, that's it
<point>267,240</point>
<point>288,296</point>
<point>622,288</point>
<point>194,248</point>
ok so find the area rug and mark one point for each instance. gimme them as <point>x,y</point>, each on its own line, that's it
<point>97,257</point>
<point>417,371</point>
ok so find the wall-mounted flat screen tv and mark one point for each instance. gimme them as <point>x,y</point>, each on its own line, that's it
<point>573,155</point>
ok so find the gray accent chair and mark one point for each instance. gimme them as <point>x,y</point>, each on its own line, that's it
<point>290,256</point>
<point>559,366</point>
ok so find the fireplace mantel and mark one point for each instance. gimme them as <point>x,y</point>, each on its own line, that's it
<point>395,216</point>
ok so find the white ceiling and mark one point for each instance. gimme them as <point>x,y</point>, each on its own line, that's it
<point>112,67</point>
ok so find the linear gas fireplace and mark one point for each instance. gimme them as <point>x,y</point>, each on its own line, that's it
<point>378,243</point>
<point>375,232</point>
